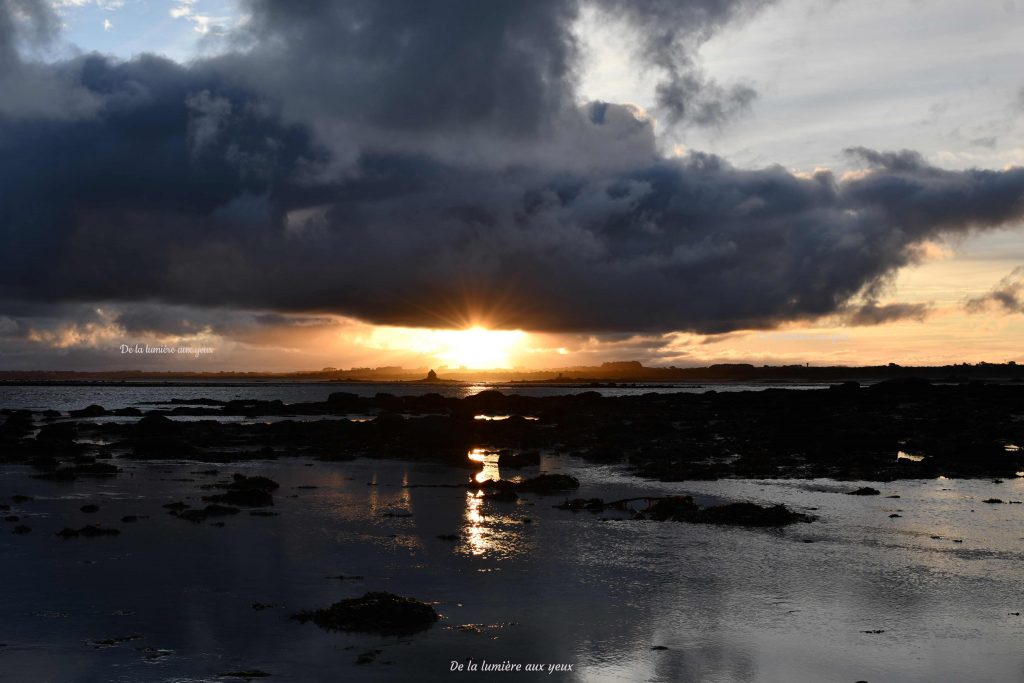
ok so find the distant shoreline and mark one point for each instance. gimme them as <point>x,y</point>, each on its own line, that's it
<point>629,372</point>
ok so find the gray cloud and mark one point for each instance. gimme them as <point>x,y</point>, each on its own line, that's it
<point>428,164</point>
<point>668,35</point>
<point>1007,296</point>
<point>871,313</point>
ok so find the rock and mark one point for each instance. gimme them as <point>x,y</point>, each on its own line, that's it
<point>91,531</point>
<point>992,501</point>
<point>90,508</point>
<point>89,411</point>
<point>683,509</point>
<point>155,425</point>
<point>750,514</point>
<point>676,508</point>
<point>247,492</point>
<point>370,655</point>
<point>111,642</point>
<point>240,482</point>
<point>864,491</point>
<point>198,515</point>
<point>376,612</point>
<point>517,460</point>
<point>500,490</point>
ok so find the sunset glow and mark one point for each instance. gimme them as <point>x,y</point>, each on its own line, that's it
<point>473,348</point>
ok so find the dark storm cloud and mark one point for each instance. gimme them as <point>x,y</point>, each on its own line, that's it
<point>413,65</point>
<point>871,313</point>
<point>1007,296</point>
<point>427,164</point>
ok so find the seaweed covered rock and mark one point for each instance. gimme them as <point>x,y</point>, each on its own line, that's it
<point>240,482</point>
<point>496,489</point>
<point>375,612</point>
<point>200,515</point>
<point>750,514</point>
<point>865,491</point>
<point>247,492</point>
<point>683,509</point>
<point>92,531</point>
<point>676,508</point>
<point>515,460</point>
<point>89,411</point>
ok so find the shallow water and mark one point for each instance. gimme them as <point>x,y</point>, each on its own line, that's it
<point>730,604</point>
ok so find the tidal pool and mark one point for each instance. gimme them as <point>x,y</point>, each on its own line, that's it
<point>933,594</point>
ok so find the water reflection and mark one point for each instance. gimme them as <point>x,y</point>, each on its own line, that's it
<point>476,536</point>
<point>903,455</point>
<point>489,460</point>
<point>393,500</point>
<point>493,529</point>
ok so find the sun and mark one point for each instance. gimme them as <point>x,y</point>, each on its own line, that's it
<point>477,347</point>
<point>473,348</point>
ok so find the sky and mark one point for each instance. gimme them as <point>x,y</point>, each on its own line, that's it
<point>285,186</point>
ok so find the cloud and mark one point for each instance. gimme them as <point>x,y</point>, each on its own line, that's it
<point>1007,296</point>
<point>668,35</point>
<point>872,313</point>
<point>430,165</point>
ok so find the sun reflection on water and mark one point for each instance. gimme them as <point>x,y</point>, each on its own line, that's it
<point>903,455</point>
<point>491,528</point>
<point>476,533</point>
<point>489,460</point>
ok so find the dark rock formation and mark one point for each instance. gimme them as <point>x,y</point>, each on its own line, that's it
<point>376,612</point>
